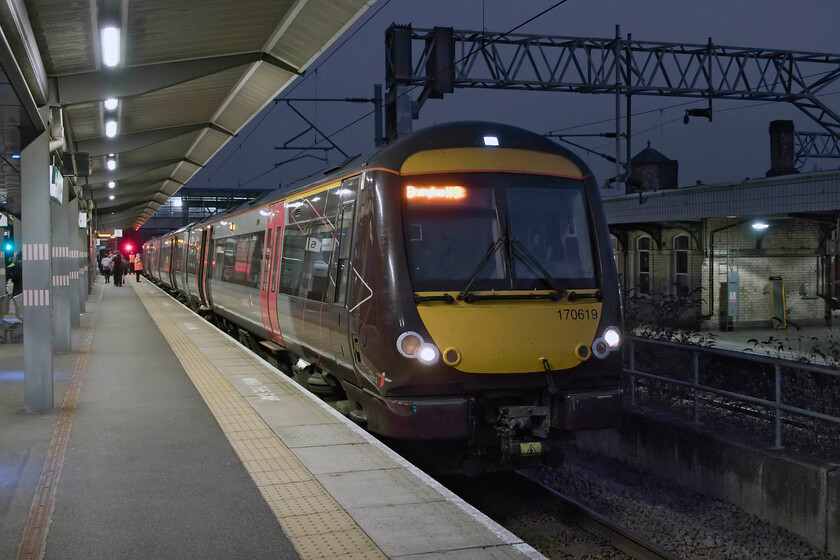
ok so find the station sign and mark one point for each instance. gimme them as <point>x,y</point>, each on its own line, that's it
<point>56,184</point>
<point>82,219</point>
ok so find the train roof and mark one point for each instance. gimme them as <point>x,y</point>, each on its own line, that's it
<point>466,134</point>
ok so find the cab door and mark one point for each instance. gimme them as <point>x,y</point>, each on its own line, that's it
<point>268,280</point>
<point>340,273</point>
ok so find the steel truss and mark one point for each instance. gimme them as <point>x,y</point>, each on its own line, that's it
<point>814,145</point>
<point>619,66</point>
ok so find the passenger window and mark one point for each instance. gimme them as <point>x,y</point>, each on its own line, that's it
<point>228,259</point>
<point>294,249</point>
<point>319,246</point>
<point>193,254</point>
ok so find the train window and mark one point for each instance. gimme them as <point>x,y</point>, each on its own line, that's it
<point>217,252</point>
<point>494,236</point>
<point>345,229</point>
<point>291,267</point>
<point>192,252</point>
<point>243,248</point>
<point>552,226</point>
<point>316,261</point>
<point>167,256</point>
<point>179,254</point>
<point>269,267</point>
<point>278,238</point>
<point>254,269</point>
<point>449,245</point>
<point>228,258</point>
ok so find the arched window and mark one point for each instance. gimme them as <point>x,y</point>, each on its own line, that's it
<point>643,265</point>
<point>682,278</point>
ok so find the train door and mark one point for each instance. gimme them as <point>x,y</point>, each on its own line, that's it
<point>175,270</point>
<point>340,270</point>
<point>268,281</point>
<point>203,266</point>
<point>170,258</point>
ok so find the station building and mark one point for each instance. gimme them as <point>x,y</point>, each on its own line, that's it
<point>755,253</point>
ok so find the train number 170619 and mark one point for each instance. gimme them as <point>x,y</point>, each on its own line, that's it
<point>578,314</point>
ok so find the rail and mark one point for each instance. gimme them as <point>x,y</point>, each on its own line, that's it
<point>621,538</point>
<point>777,405</point>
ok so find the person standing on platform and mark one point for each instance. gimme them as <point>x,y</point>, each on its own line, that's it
<point>106,263</point>
<point>119,269</point>
<point>138,266</point>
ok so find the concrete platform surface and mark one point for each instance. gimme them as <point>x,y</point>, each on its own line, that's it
<point>183,444</point>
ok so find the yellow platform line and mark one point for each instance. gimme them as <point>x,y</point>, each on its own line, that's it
<point>317,525</point>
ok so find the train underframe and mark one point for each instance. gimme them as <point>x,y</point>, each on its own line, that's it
<point>485,431</point>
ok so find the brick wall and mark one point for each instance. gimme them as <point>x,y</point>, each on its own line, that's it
<point>788,249</point>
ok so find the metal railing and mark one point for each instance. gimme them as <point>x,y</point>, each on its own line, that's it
<point>777,405</point>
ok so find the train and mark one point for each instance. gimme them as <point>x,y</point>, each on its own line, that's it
<point>455,292</point>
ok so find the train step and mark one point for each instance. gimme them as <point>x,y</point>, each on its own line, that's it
<point>271,346</point>
<point>359,417</point>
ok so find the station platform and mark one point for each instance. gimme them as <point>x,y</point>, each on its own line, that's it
<point>171,440</point>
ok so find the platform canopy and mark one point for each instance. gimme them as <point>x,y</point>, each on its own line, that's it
<point>188,76</point>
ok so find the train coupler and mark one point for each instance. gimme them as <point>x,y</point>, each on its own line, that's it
<point>523,430</point>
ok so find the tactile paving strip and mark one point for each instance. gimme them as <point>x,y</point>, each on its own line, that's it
<point>318,527</point>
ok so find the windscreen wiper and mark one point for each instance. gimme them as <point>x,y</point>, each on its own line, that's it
<point>559,292</point>
<point>484,260</point>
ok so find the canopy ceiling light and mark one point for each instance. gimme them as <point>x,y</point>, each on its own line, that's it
<point>112,164</point>
<point>111,103</point>
<point>111,184</point>
<point>110,46</point>
<point>111,129</point>
<point>760,225</point>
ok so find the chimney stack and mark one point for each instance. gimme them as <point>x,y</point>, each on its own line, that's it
<point>781,149</point>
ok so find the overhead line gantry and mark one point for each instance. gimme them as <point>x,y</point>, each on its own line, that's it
<point>447,59</point>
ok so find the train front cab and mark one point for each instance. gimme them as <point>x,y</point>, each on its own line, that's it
<point>487,302</point>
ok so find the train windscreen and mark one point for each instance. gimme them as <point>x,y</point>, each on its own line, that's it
<point>497,231</point>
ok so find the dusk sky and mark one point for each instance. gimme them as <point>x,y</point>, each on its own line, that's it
<point>733,146</point>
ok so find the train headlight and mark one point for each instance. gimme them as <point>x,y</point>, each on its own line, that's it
<point>409,344</point>
<point>612,337</point>
<point>428,354</point>
<point>600,348</point>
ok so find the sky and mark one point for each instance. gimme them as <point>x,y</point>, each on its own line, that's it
<point>733,146</point>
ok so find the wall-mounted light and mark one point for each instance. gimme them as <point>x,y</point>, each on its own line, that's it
<point>111,184</point>
<point>111,129</point>
<point>760,225</point>
<point>112,164</point>
<point>111,103</point>
<point>110,46</point>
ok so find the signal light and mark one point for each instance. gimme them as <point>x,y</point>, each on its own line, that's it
<point>8,246</point>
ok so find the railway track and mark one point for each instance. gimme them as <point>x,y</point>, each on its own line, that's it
<point>554,524</point>
<point>623,539</point>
